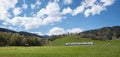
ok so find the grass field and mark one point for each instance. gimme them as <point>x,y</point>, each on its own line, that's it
<point>99,49</point>
<point>74,38</point>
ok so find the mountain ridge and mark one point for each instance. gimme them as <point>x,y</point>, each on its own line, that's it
<point>105,33</point>
<point>20,32</point>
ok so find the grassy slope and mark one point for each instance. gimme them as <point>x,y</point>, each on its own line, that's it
<point>74,38</point>
<point>99,49</point>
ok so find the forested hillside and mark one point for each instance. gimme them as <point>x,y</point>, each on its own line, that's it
<point>106,33</point>
<point>13,38</point>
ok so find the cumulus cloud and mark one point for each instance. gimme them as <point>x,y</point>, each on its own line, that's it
<point>78,10</point>
<point>17,11</point>
<point>67,1</point>
<point>60,31</point>
<point>56,31</point>
<point>82,7</point>
<point>37,4</point>
<point>107,2</point>
<point>38,20</point>
<point>75,30</point>
<point>24,6</point>
<point>89,7</point>
<point>32,6</point>
<point>96,9</point>
<point>67,10</point>
<point>93,7</point>
<point>26,22</point>
<point>50,14</point>
<point>5,5</point>
<point>49,9</point>
<point>88,3</point>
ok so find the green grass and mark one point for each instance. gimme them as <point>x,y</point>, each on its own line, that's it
<point>62,41</point>
<point>74,38</point>
<point>99,49</point>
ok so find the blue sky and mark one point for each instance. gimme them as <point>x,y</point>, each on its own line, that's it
<point>54,17</point>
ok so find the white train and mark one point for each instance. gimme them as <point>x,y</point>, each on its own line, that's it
<point>78,43</point>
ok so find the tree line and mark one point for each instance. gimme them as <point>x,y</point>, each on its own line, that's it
<point>106,33</point>
<point>15,39</point>
<point>8,38</point>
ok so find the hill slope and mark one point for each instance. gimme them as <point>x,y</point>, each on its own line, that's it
<point>21,32</point>
<point>106,33</point>
<point>74,38</point>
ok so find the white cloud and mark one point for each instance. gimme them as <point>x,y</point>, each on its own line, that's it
<point>5,5</point>
<point>26,22</point>
<point>83,5</point>
<point>50,14</point>
<point>88,3</point>
<point>24,6</point>
<point>67,1</point>
<point>92,7</point>
<point>37,4</point>
<point>56,31</point>
<point>107,2</point>
<point>67,10</point>
<point>60,31</point>
<point>50,8</point>
<point>98,7</point>
<point>51,19</point>
<point>75,30</point>
<point>36,21</point>
<point>4,23</point>
<point>32,6</point>
<point>78,10</point>
<point>87,12</point>
<point>17,11</point>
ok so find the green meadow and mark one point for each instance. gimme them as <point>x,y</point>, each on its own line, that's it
<point>58,49</point>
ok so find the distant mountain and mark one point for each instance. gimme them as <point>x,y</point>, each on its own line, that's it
<point>21,32</point>
<point>28,34</point>
<point>7,30</point>
<point>103,33</point>
<point>13,38</point>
